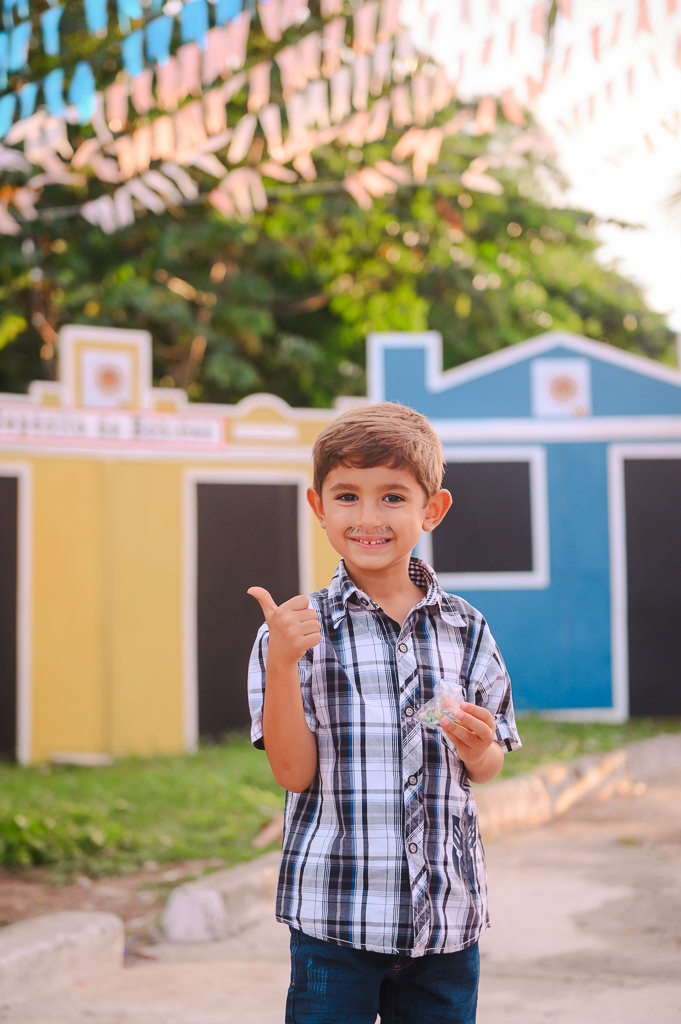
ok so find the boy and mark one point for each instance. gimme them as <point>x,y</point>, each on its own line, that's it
<point>382,878</point>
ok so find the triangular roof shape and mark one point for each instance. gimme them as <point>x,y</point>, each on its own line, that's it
<point>407,367</point>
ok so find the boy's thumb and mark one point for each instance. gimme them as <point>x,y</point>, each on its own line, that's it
<point>264,599</point>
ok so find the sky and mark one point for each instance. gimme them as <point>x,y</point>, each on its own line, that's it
<point>609,97</point>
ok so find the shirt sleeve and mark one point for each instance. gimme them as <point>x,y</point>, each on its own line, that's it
<point>490,687</point>
<point>256,686</point>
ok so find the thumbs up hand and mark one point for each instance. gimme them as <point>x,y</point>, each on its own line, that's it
<point>294,625</point>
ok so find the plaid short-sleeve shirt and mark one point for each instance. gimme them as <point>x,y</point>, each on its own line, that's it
<point>383,852</point>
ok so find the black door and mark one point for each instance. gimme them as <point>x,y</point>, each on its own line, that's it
<point>8,616</point>
<point>653,545</point>
<point>247,536</point>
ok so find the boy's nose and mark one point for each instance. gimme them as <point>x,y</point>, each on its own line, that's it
<point>370,516</point>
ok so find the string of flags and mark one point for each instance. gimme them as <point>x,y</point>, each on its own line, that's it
<point>167,118</point>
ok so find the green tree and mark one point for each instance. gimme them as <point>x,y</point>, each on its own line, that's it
<point>283,302</point>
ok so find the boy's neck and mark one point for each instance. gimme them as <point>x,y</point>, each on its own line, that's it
<point>393,590</point>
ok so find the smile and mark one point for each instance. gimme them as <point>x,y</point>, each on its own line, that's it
<point>370,543</point>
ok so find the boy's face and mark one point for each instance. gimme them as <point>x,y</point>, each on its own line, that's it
<point>374,516</point>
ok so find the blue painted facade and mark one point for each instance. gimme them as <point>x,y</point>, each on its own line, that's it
<point>582,409</point>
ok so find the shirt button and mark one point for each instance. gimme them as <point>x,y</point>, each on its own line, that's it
<point>409,712</point>
<point>403,648</point>
<point>412,780</point>
<point>413,847</point>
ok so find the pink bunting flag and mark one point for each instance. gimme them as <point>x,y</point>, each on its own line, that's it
<point>381,67</point>
<point>259,85</point>
<point>354,186</point>
<point>353,132</point>
<point>292,74</point>
<point>420,92</point>
<point>538,19</point>
<point>643,20</point>
<point>360,82</point>
<point>427,153</point>
<point>309,54</point>
<point>486,54</point>
<point>215,54</point>
<point>390,170</point>
<point>341,89</point>
<point>443,89</point>
<point>215,111</point>
<point>510,107</point>
<point>317,100</point>
<point>596,42</point>
<point>237,40</point>
<point>364,27</point>
<point>486,116</point>
<point>305,167</point>
<point>163,138</point>
<point>164,187</point>
<point>297,115</point>
<point>221,202</point>
<point>142,142</point>
<point>389,23</point>
<point>673,124</point>
<point>379,115</point>
<point>102,213</point>
<point>614,39</point>
<point>242,138</point>
<point>123,207</point>
<point>401,106</point>
<point>184,181</point>
<point>331,7</point>
<point>190,130</point>
<point>166,85</point>
<point>141,91</point>
<point>244,186</point>
<point>292,12</point>
<point>124,151</point>
<point>270,121</point>
<point>270,19</point>
<point>477,181</point>
<point>333,35</point>
<point>116,105</point>
<point>209,164</point>
<point>188,59</point>
<point>149,199</point>
<point>272,170</point>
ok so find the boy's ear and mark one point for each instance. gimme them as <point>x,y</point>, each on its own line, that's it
<point>437,507</point>
<point>315,503</point>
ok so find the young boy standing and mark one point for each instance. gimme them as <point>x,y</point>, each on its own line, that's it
<point>382,877</point>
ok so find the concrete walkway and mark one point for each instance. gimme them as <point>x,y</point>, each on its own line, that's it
<point>586,930</point>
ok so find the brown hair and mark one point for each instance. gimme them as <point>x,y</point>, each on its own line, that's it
<point>385,434</point>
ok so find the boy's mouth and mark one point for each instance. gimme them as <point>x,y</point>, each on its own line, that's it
<point>370,542</point>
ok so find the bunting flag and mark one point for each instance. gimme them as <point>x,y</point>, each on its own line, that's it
<point>344,81</point>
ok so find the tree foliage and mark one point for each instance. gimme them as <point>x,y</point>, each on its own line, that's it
<point>283,302</point>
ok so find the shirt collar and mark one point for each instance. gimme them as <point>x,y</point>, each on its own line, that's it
<point>342,590</point>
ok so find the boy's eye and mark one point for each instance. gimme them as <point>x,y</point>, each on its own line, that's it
<point>393,499</point>
<point>345,497</point>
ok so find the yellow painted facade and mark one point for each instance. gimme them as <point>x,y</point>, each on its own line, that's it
<point>105,653</point>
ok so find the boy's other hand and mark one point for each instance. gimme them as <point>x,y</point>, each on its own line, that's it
<point>294,625</point>
<point>473,733</point>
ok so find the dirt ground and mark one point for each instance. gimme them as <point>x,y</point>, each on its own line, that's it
<point>137,899</point>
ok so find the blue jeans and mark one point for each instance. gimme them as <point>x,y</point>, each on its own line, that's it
<point>333,984</point>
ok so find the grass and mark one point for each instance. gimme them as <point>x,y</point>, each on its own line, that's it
<point>545,741</point>
<point>204,806</point>
<point>113,820</point>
